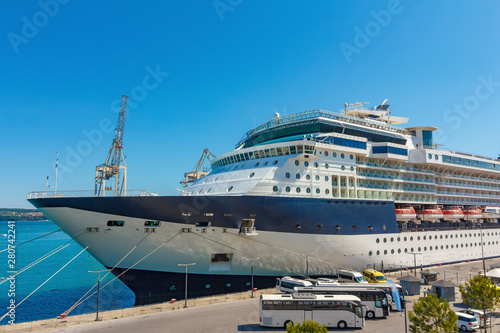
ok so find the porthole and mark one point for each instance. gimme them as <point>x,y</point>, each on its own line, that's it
<point>436,157</point>
<point>275,162</point>
<point>451,245</point>
<point>353,227</point>
<point>425,237</point>
<point>251,175</point>
<point>342,155</point>
<point>318,190</point>
<point>297,226</point>
<point>326,153</point>
<point>466,245</point>
<point>257,164</point>
<point>411,240</point>
<point>296,162</point>
<point>441,247</point>
<point>405,239</point>
<point>297,176</point>
<point>315,164</point>
<point>399,250</point>
<point>228,285</point>
<point>392,251</point>
<point>411,250</point>
<point>351,156</point>
<point>316,177</point>
<point>287,189</point>
<point>441,236</point>
<point>230,188</point>
<point>425,248</point>
<point>287,175</point>
<point>418,238</point>
<point>430,156</point>
<point>419,249</point>
<point>385,240</point>
<point>378,239</point>
<point>327,191</point>
<point>308,190</point>
<point>446,246</point>
<point>326,165</point>
<point>446,236</point>
<point>406,250</point>
<point>275,188</point>
<point>352,168</point>
<point>430,248</point>
<point>370,253</point>
<point>385,252</point>
<point>297,189</point>
<point>435,237</point>
<point>306,164</point>
<point>343,167</point>
<point>392,239</point>
<point>334,154</point>
<point>378,252</point>
<point>399,239</point>
<point>267,162</point>
<point>326,178</point>
<point>318,226</point>
<point>308,177</point>
<point>207,286</point>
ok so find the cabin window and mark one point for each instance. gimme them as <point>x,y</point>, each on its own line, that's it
<point>296,162</point>
<point>203,224</point>
<point>152,223</point>
<point>116,223</point>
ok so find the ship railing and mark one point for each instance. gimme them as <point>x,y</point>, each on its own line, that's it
<point>393,167</point>
<point>85,193</point>
<point>410,227</point>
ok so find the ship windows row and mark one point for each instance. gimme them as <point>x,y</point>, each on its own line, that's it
<point>272,152</point>
<point>117,223</point>
<point>437,247</point>
<point>436,237</point>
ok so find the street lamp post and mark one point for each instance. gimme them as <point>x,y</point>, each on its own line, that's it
<point>98,288</point>
<point>414,261</point>
<point>251,261</point>
<point>186,286</point>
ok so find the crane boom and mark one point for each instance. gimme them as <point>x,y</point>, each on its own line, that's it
<point>108,170</point>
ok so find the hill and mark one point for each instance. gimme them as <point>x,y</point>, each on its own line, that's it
<point>18,214</point>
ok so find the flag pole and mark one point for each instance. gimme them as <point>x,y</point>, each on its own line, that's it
<point>57,162</point>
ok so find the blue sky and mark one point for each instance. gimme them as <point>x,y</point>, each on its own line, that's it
<point>201,73</point>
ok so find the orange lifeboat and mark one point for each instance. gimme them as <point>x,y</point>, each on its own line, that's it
<point>453,214</point>
<point>405,214</point>
<point>430,214</point>
<point>473,214</point>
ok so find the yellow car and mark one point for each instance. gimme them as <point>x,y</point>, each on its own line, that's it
<point>374,276</point>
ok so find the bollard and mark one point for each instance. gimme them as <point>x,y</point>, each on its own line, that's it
<point>173,300</point>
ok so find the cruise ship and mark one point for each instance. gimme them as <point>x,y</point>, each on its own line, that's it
<point>302,195</point>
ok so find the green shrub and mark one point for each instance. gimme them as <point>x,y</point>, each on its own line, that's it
<point>308,326</point>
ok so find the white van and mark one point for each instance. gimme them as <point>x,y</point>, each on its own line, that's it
<point>286,284</point>
<point>351,276</point>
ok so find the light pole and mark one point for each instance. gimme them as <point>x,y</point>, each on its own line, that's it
<point>482,250</point>
<point>251,261</point>
<point>186,287</point>
<point>414,261</point>
<point>98,288</point>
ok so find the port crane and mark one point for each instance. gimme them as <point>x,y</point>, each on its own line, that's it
<point>192,176</point>
<point>111,168</point>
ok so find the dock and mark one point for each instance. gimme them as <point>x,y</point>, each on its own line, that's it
<point>236,312</point>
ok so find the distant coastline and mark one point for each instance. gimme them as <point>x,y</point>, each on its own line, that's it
<point>21,214</point>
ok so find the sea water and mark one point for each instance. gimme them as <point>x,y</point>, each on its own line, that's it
<point>64,289</point>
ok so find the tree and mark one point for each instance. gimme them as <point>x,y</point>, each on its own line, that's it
<point>480,293</point>
<point>308,326</point>
<point>431,314</point>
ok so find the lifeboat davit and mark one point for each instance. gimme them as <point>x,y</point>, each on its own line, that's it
<point>453,214</point>
<point>405,214</point>
<point>430,214</point>
<point>473,214</point>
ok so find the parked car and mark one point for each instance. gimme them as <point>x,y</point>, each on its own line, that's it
<point>466,322</point>
<point>478,314</point>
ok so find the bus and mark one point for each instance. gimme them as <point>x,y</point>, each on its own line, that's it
<point>281,310</point>
<point>286,284</point>
<point>393,291</point>
<point>375,300</point>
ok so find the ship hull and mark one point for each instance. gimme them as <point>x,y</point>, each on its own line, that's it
<point>294,236</point>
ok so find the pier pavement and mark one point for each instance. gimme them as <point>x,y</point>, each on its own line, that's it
<point>235,312</point>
